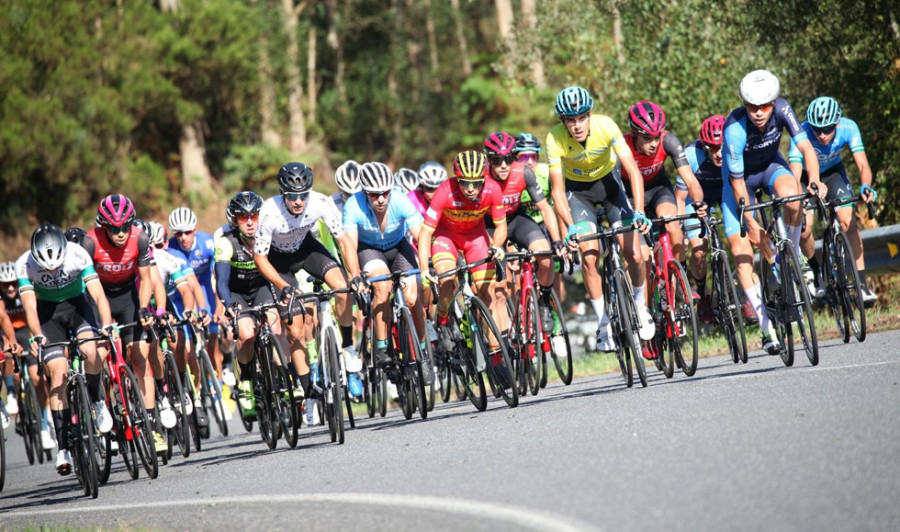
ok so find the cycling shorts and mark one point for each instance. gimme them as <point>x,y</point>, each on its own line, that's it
<point>835,178</point>
<point>764,179</point>
<point>608,191</point>
<point>124,309</point>
<point>310,256</point>
<point>656,193</point>
<point>474,246</point>
<point>398,259</point>
<point>57,319</point>
<point>255,298</point>
<point>521,229</point>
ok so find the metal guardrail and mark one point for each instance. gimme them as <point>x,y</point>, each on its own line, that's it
<point>882,249</point>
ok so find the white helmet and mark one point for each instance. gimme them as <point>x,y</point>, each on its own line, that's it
<point>759,87</point>
<point>346,177</point>
<point>157,233</point>
<point>8,272</point>
<point>406,179</point>
<point>432,174</point>
<point>376,177</point>
<point>182,219</point>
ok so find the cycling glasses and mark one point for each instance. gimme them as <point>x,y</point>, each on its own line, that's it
<point>182,233</point>
<point>294,196</point>
<point>824,130</point>
<point>244,218</point>
<point>118,230</point>
<point>712,147</point>
<point>766,107</point>
<point>498,160</point>
<point>375,195</point>
<point>466,184</point>
<point>528,158</point>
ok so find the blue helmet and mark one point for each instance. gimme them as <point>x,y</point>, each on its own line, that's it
<point>573,101</point>
<point>824,111</point>
<point>527,142</point>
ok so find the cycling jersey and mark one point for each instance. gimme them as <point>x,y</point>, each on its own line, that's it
<point>542,173</point>
<point>417,197</point>
<point>67,282</point>
<point>117,266</point>
<point>236,270</point>
<point>338,199</point>
<point>747,150</point>
<point>359,218</point>
<point>589,161</point>
<point>845,134</point>
<point>15,311</point>
<point>172,270</point>
<point>450,206</point>
<point>201,256</point>
<point>651,166</point>
<point>708,174</point>
<point>521,178</point>
<point>285,232</point>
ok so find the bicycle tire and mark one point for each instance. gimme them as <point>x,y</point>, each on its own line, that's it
<point>464,368</point>
<point>266,413</point>
<point>562,361</point>
<point>30,420</point>
<point>127,447</point>
<point>333,393</point>
<point>851,287</point>
<point>834,297</point>
<point>802,306</point>
<point>444,377</point>
<point>726,300</point>
<point>85,436</point>
<point>628,317</point>
<point>683,312</point>
<point>174,391</point>
<point>531,358</point>
<point>499,365</point>
<point>515,340</point>
<point>194,418</point>
<point>665,354</point>
<point>139,422</point>
<point>612,310</point>
<point>2,458</point>
<point>210,384</point>
<point>430,388</point>
<point>366,352</point>
<point>415,363</point>
<point>284,394</point>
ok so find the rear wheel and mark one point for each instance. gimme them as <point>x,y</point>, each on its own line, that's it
<point>266,410</point>
<point>415,361</point>
<point>628,321</point>
<point>727,305</point>
<point>213,390</point>
<point>834,296</point>
<point>560,349</point>
<point>800,306</point>
<point>30,422</point>
<point>193,418</point>
<point>683,320</point>
<point>334,410</point>
<point>86,436</point>
<point>174,391</point>
<point>141,428</point>
<point>283,385</point>
<point>851,287</point>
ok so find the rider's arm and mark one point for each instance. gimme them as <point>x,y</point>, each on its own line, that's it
<point>499,239</point>
<point>6,324</point>
<point>348,249</point>
<point>159,289</point>
<point>29,303</point>
<point>95,289</point>
<point>424,241</point>
<point>187,296</point>
<point>865,171</point>
<point>809,157</point>
<point>416,230</point>
<point>675,150</point>
<point>549,219</point>
<point>223,278</point>
<point>681,199</point>
<point>555,154</point>
<point>630,167</point>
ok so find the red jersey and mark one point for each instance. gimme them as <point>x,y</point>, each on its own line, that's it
<point>521,177</point>
<point>117,266</point>
<point>450,206</point>
<point>651,166</point>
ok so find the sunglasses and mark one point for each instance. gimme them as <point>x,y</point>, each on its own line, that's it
<point>182,233</point>
<point>376,195</point>
<point>528,158</point>
<point>569,120</point>
<point>426,188</point>
<point>824,130</point>
<point>294,196</point>
<point>466,184</point>
<point>161,245</point>
<point>756,108</point>
<point>244,218</point>
<point>499,160</point>
<point>119,230</point>
<point>713,148</point>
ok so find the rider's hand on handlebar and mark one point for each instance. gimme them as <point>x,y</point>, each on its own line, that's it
<point>641,222</point>
<point>868,193</point>
<point>146,317</point>
<point>498,253</point>
<point>111,331</point>
<point>205,318</point>
<point>820,189</point>
<point>559,248</point>
<point>35,342</point>
<point>702,209</point>
<point>358,285</point>
<point>15,348</point>
<point>430,275</point>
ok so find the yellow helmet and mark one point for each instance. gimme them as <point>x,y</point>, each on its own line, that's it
<point>470,164</point>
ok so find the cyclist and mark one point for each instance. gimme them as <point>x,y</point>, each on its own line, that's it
<point>239,284</point>
<point>377,220</point>
<point>829,131</point>
<point>346,177</point>
<point>121,255</point>
<point>198,248</point>
<point>53,278</point>
<point>431,175</point>
<point>515,177</point>
<point>586,155</point>
<point>751,161</point>
<point>8,341</point>
<point>283,247</point>
<point>651,143</point>
<point>406,180</point>
<point>455,218</point>
<point>16,334</point>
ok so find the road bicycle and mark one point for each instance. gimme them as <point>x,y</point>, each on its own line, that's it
<point>172,390</point>
<point>210,389</point>
<point>785,293</point>
<point>28,422</point>
<point>671,303</point>
<point>620,306</point>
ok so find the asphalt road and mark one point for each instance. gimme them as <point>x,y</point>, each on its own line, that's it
<point>736,447</point>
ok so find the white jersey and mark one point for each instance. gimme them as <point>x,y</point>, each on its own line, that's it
<point>285,232</point>
<point>67,282</point>
<point>171,269</point>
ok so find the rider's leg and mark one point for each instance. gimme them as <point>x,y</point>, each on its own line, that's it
<point>784,184</point>
<point>743,258</point>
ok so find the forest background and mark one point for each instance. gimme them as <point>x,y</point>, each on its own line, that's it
<point>185,101</point>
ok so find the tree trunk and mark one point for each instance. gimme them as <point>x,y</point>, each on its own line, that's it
<point>333,38</point>
<point>311,92</point>
<point>297,121</point>
<point>194,171</point>
<point>394,99</point>
<point>268,129</point>
<point>617,33</point>
<point>432,47</point>
<point>461,38</point>
<point>505,27</point>
<point>529,16</point>
<point>168,6</point>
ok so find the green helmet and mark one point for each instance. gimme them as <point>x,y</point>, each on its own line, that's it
<point>824,111</point>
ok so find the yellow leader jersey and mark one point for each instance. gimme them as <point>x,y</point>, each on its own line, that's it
<point>589,162</point>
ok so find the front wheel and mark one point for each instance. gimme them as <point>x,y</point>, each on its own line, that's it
<point>334,402</point>
<point>851,287</point>
<point>213,390</point>
<point>560,348</point>
<point>727,306</point>
<point>499,365</point>
<point>683,320</point>
<point>628,321</point>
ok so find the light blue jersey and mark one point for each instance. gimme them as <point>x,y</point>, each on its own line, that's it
<point>846,134</point>
<point>360,218</point>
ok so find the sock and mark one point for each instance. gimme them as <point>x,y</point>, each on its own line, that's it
<point>862,276</point>
<point>246,371</point>
<point>794,234</point>
<point>640,299</point>
<point>93,386</point>
<point>546,291</point>
<point>59,420</point>
<point>701,285</point>
<point>45,415</point>
<point>754,296</point>
<point>312,350</point>
<point>814,265</point>
<point>600,310</point>
<point>346,336</point>
<point>10,383</point>
<point>380,344</point>
<point>304,384</point>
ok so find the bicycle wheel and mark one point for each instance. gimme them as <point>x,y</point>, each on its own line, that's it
<point>613,309</point>
<point>531,333</point>
<point>683,320</point>
<point>468,379</point>
<point>498,363</point>
<point>2,458</point>
<point>30,421</point>
<point>283,386</point>
<point>139,423</point>
<point>366,352</point>
<point>850,287</point>
<point>728,308</point>
<point>415,361</point>
<point>628,321</point>
<point>831,277</point>
<point>194,417</point>
<point>444,376</point>
<point>665,353</point>
<point>560,348</point>
<point>85,436</point>
<point>213,391</point>
<point>334,410</point>
<point>263,384</point>
<point>124,437</point>
<point>174,392</point>
<point>800,306</point>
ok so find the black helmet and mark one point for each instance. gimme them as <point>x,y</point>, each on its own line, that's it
<point>245,202</point>
<point>527,142</point>
<point>295,177</point>
<point>75,235</point>
<point>48,246</point>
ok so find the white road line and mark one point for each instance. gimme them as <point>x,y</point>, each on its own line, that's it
<point>532,519</point>
<point>810,369</point>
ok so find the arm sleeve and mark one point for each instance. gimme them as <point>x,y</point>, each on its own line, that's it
<point>144,255</point>
<point>532,186</point>
<point>351,219</point>
<point>675,150</point>
<point>733,150</point>
<point>223,277</point>
<point>22,273</point>
<point>263,240</point>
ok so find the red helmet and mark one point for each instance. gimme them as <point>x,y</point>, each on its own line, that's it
<point>712,130</point>
<point>647,118</point>
<point>115,210</point>
<point>499,144</point>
